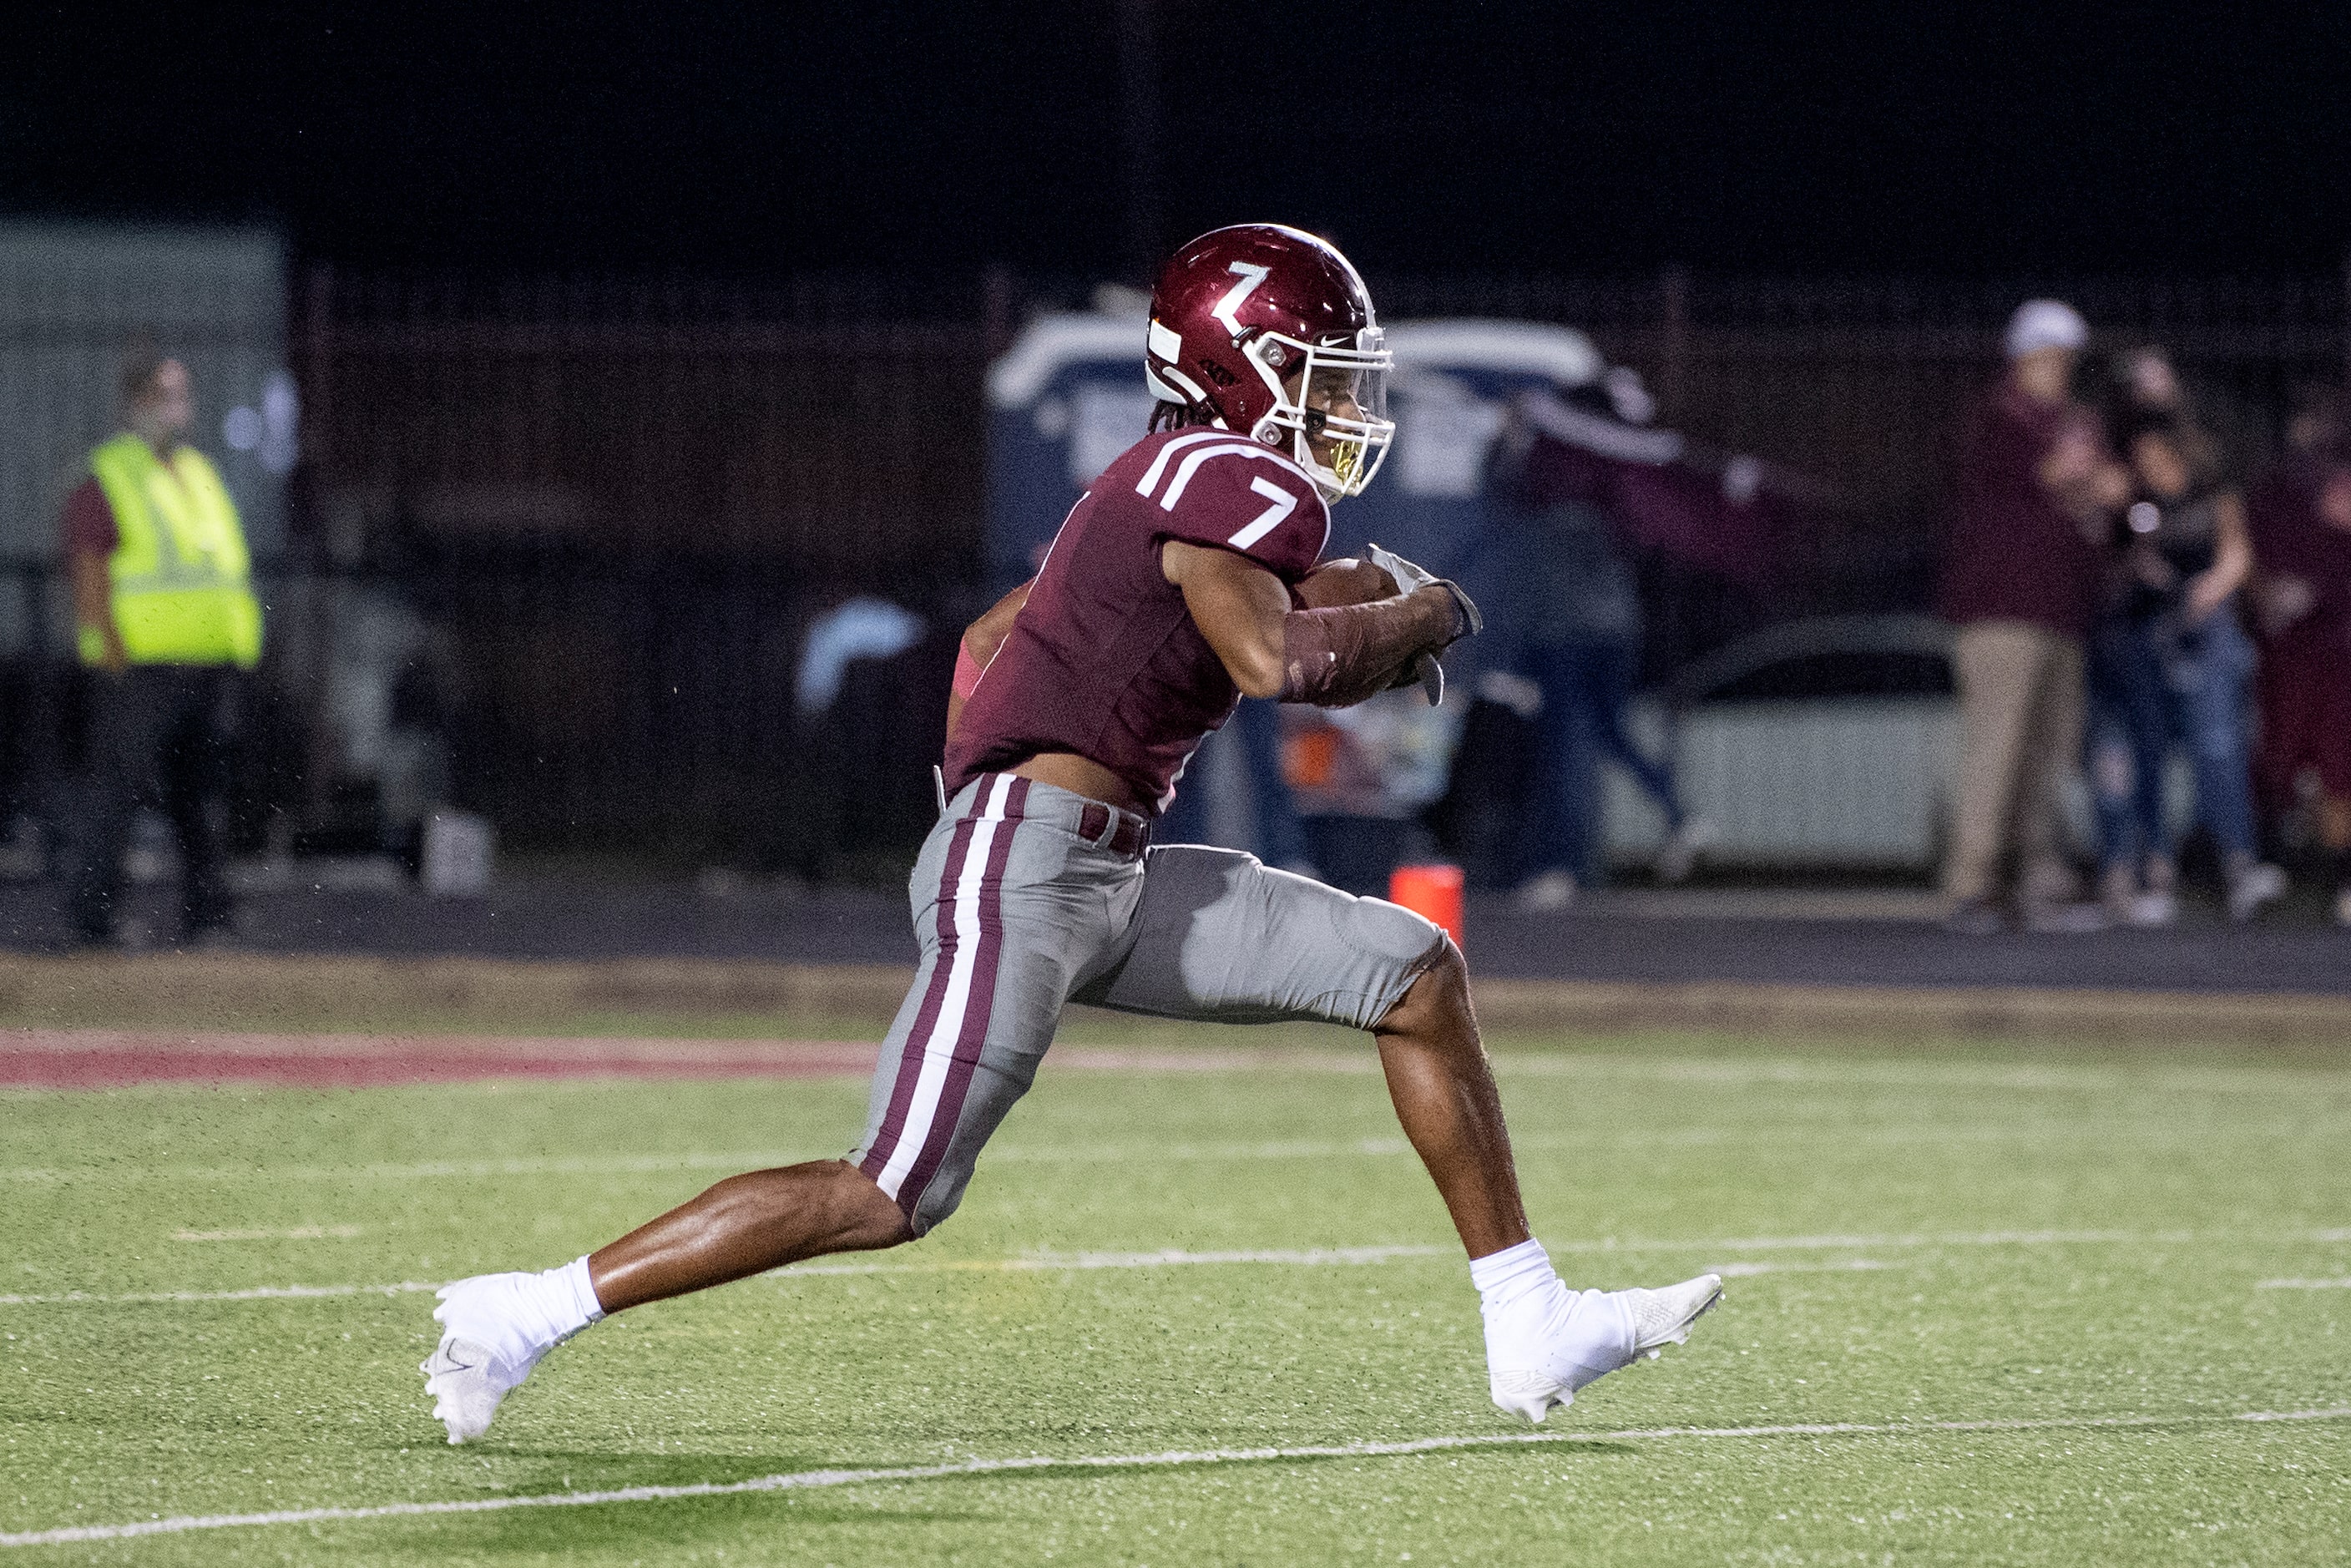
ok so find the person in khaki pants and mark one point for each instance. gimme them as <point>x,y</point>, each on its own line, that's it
<point>2020,728</point>
<point>2020,582</point>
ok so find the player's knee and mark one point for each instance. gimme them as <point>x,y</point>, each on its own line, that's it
<point>1390,932</point>
<point>1447,979</point>
<point>938,1201</point>
<point>1438,995</point>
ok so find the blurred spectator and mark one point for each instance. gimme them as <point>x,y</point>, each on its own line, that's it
<point>1574,618</point>
<point>2169,660</point>
<point>867,726</point>
<point>862,628</point>
<point>165,619</point>
<point>2037,488</point>
<point>2320,425</point>
<point>2148,386</point>
<point>2300,518</point>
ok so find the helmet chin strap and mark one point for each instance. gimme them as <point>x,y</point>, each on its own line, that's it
<point>1326,479</point>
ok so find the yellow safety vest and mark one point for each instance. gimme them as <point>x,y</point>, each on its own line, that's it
<point>181,577</point>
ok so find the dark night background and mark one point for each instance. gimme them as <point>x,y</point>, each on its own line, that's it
<point>1755,138</point>
<point>631,340</point>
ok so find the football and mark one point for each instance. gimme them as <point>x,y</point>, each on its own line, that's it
<point>1346,581</point>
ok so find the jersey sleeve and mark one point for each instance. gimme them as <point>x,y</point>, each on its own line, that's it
<point>1235,495</point>
<point>88,525</point>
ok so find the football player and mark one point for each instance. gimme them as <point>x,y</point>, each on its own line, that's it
<point>1186,577</point>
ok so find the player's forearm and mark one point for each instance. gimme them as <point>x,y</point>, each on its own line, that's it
<point>1338,656</point>
<point>977,648</point>
<point>93,603</point>
<point>984,636</point>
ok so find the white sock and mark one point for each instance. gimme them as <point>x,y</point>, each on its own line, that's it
<point>521,1317</point>
<point>1512,1276</point>
<point>1534,1322</point>
<point>584,1307</point>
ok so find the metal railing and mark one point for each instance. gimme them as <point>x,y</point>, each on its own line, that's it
<point>610,505</point>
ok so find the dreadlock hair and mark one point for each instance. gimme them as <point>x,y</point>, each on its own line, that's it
<point>1179,416</point>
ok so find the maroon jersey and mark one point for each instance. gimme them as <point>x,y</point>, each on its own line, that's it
<point>2013,554</point>
<point>1103,660</point>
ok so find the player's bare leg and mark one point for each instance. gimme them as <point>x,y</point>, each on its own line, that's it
<point>1544,1340</point>
<point>1445,1097</point>
<point>748,1224</point>
<point>498,1326</point>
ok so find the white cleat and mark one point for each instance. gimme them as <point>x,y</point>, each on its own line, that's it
<point>466,1389</point>
<point>487,1350</point>
<point>1592,1333</point>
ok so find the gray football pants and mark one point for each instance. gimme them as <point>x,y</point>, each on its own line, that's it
<point>1019,914</point>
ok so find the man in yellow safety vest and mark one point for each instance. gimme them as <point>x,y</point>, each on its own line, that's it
<point>164,611</point>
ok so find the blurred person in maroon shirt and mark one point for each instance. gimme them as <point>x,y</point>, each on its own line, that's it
<point>1581,476</point>
<point>2037,491</point>
<point>2300,516</point>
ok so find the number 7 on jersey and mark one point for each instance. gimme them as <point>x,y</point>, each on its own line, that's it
<point>1265,522</point>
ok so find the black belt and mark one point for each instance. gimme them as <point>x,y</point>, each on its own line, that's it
<point>1130,835</point>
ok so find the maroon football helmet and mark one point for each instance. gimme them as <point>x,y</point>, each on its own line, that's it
<point>1267,331</point>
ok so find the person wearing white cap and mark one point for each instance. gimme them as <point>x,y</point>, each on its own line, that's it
<point>2044,324</point>
<point>2020,578</point>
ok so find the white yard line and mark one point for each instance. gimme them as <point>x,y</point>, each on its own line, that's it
<point>1375,1147</point>
<point>1338,1257</point>
<point>2054,1128</point>
<point>299,1233</point>
<point>252,1293</point>
<point>578,1165</point>
<point>2067,1078</point>
<point>1916,1238</point>
<point>1078,1055</point>
<point>1315,1257</point>
<point>1850,1266</point>
<point>1173,1256</point>
<point>804,1480</point>
<point>1320,1256</point>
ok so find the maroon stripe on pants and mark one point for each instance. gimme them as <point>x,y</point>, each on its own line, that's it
<point>974,1037</point>
<point>910,1059</point>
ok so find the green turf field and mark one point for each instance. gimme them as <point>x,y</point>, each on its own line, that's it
<point>2078,1255</point>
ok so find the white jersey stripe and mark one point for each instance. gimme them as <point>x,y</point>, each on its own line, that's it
<point>938,1049</point>
<point>1150,480</point>
<point>1192,461</point>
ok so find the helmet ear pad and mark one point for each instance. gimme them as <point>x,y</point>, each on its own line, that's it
<point>1264,354</point>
